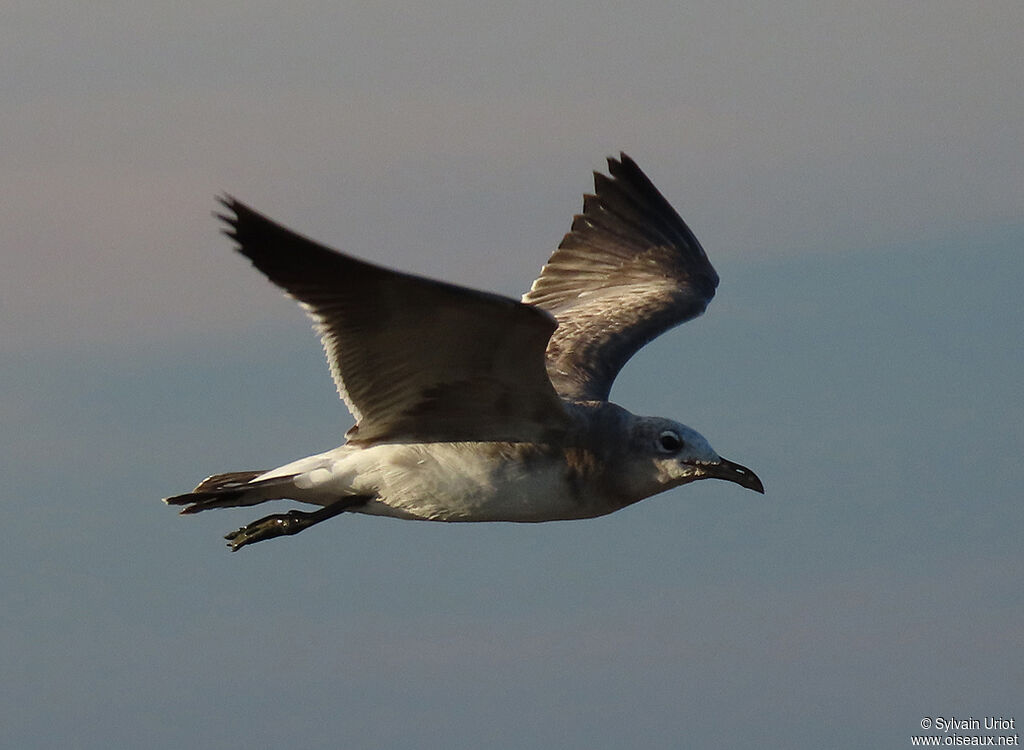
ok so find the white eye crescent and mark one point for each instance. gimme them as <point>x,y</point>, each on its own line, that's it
<point>669,442</point>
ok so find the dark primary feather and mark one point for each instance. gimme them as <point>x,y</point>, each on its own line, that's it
<point>414,359</point>
<point>628,270</point>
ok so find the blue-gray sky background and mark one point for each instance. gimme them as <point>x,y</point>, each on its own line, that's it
<point>856,174</point>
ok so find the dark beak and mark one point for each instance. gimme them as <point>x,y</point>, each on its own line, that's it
<point>733,472</point>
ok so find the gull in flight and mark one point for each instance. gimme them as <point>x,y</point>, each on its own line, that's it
<point>471,406</point>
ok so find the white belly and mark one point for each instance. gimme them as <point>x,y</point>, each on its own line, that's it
<point>446,482</point>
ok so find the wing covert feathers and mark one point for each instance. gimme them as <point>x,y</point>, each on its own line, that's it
<point>414,359</point>
<point>628,270</point>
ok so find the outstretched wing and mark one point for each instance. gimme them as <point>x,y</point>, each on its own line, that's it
<point>628,270</point>
<point>413,359</point>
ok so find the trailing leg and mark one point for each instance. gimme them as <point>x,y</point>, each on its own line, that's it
<point>286,524</point>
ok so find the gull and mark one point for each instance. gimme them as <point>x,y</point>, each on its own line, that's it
<point>471,406</point>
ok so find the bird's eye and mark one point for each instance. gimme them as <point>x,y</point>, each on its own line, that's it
<point>669,442</point>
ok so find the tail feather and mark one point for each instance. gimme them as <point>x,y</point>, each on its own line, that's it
<point>228,481</point>
<point>233,489</point>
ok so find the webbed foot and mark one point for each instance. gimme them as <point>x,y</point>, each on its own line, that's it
<point>278,524</point>
<point>286,524</point>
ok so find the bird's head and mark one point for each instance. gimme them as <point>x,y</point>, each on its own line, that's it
<point>678,455</point>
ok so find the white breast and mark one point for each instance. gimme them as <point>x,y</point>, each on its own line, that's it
<point>450,482</point>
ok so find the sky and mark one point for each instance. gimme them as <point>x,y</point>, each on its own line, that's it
<point>854,172</point>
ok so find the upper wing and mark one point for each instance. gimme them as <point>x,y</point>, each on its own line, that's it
<point>628,270</point>
<point>413,359</point>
